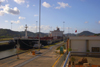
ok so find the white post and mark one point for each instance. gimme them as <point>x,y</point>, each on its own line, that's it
<point>26,31</point>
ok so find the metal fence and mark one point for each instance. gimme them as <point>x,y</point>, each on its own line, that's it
<point>88,54</point>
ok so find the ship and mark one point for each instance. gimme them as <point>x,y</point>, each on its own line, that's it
<point>33,42</point>
<point>37,42</point>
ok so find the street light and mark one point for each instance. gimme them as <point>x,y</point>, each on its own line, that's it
<point>36,26</point>
<point>11,26</point>
<point>63,30</point>
<point>39,21</point>
<point>63,26</point>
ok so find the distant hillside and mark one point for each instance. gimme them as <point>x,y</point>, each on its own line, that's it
<point>7,33</point>
<point>85,33</point>
<point>97,34</point>
<point>70,34</point>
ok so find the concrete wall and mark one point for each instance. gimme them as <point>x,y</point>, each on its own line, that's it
<point>82,44</point>
<point>84,38</point>
<point>93,43</point>
<point>78,45</point>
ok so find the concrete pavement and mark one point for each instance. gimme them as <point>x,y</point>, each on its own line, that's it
<point>46,59</point>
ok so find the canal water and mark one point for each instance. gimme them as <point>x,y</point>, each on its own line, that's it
<point>7,53</point>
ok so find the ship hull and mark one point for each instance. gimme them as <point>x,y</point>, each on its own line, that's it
<point>25,43</point>
<point>29,43</point>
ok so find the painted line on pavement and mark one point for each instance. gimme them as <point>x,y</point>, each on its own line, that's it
<point>57,61</point>
<point>21,64</point>
<point>26,62</point>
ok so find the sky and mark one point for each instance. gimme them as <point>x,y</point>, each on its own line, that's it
<point>68,15</point>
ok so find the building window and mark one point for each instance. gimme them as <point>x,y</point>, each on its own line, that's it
<point>95,49</point>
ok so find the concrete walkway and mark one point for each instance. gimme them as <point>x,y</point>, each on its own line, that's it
<point>46,59</point>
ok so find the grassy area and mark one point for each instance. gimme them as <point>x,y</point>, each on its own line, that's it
<point>51,45</point>
<point>58,48</point>
<point>4,43</point>
<point>5,39</point>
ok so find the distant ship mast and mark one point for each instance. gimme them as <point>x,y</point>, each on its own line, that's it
<point>26,31</point>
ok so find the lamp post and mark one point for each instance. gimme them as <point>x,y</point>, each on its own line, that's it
<point>63,26</point>
<point>39,21</point>
<point>11,26</point>
<point>36,26</point>
<point>63,30</point>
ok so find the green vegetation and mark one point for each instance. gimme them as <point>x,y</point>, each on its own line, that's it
<point>88,51</point>
<point>69,49</point>
<point>72,59</point>
<point>7,33</point>
<point>6,39</point>
<point>97,34</point>
<point>51,45</point>
<point>58,48</point>
<point>5,43</point>
<point>85,33</point>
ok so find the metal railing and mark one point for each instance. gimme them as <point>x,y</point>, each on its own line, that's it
<point>67,60</point>
<point>60,62</point>
<point>88,54</point>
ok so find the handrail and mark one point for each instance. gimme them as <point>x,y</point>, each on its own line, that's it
<point>70,53</point>
<point>67,59</point>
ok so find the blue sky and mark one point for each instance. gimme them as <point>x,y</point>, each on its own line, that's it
<point>80,15</point>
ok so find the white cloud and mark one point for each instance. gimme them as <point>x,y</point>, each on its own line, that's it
<point>86,22</point>
<point>47,5</point>
<point>2,1</point>
<point>19,1</point>
<point>6,20</point>
<point>27,5</point>
<point>99,22</point>
<point>21,17</point>
<point>68,27</point>
<point>33,5</point>
<point>45,28</point>
<point>14,11</point>
<point>8,10</point>
<point>16,21</point>
<point>2,13</point>
<point>32,28</point>
<point>34,24</point>
<point>35,15</point>
<point>62,5</point>
<point>21,27</point>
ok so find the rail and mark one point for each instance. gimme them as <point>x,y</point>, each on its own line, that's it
<point>66,62</point>
<point>89,54</point>
<point>60,62</point>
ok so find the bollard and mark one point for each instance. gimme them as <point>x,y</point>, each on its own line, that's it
<point>33,52</point>
<point>61,50</point>
<point>17,56</point>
